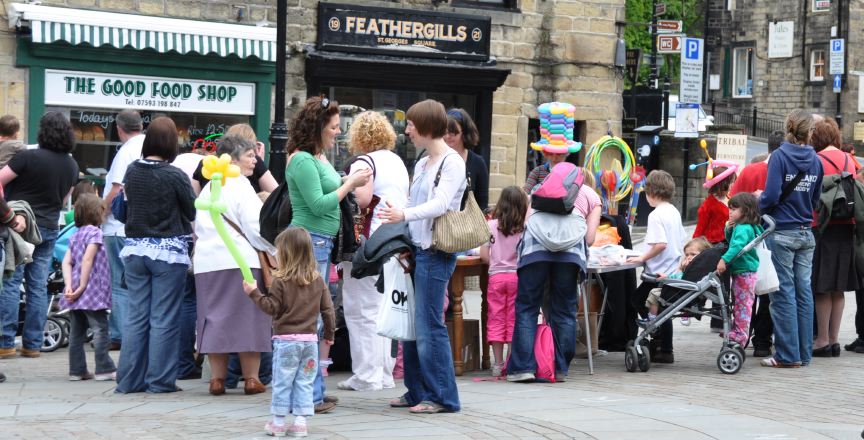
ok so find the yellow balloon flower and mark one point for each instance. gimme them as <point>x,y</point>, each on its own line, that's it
<point>221,165</point>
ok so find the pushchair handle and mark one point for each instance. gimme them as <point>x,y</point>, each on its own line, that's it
<point>770,225</point>
<point>650,277</point>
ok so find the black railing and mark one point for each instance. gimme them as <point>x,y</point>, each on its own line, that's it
<point>754,123</point>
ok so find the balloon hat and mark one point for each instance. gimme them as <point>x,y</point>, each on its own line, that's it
<point>556,129</point>
<point>710,178</point>
<point>217,170</point>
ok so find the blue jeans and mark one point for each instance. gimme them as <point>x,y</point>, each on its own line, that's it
<point>96,320</point>
<point>294,369</point>
<point>321,246</point>
<point>119,294</point>
<point>188,316</point>
<point>792,306</point>
<point>36,275</point>
<point>151,334</point>
<point>563,280</point>
<point>428,361</point>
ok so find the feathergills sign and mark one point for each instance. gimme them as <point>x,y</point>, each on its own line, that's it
<point>393,31</point>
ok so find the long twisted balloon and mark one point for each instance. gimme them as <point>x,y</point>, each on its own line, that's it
<point>217,170</point>
<point>710,178</point>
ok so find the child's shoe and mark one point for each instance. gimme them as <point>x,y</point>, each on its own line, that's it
<point>497,369</point>
<point>105,377</point>
<point>275,430</point>
<point>324,363</point>
<point>685,321</point>
<point>298,430</point>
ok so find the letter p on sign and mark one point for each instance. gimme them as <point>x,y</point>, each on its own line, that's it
<point>692,49</point>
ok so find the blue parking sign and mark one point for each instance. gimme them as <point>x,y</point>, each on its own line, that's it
<point>692,47</point>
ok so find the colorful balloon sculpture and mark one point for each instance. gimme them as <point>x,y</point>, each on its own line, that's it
<point>556,129</point>
<point>617,182</point>
<point>217,170</point>
<point>710,178</point>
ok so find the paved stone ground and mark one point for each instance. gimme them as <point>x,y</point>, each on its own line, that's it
<point>688,400</point>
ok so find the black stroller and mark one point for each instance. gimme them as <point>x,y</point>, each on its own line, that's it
<point>687,296</point>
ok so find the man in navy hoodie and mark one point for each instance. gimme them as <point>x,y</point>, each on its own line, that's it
<point>792,243</point>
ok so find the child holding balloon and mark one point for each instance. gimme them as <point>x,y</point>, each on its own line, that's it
<point>296,298</point>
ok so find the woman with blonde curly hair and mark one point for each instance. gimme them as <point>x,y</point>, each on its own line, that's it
<point>372,138</point>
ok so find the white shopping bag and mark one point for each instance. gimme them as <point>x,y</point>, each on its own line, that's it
<point>396,315</point>
<point>766,275</point>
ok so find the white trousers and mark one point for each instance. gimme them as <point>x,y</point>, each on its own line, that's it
<point>370,354</point>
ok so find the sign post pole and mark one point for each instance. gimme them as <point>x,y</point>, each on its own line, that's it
<point>279,129</point>
<point>837,67</point>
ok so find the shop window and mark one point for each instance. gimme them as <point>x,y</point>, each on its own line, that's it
<point>742,72</point>
<point>817,65</point>
<point>393,104</point>
<point>98,142</point>
<point>821,5</point>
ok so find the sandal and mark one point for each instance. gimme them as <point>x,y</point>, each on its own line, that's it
<point>400,402</point>
<point>774,363</point>
<point>427,407</point>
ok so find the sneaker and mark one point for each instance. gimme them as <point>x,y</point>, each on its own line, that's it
<point>663,357</point>
<point>685,321</point>
<point>521,377</point>
<point>106,377</point>
<point>298,430</point>
<point>344,386</point>
<point>858,342</point>
<point>560,376</point>
<point>77,378</point>
<point>9,353</point>
<point>324,407</point>
<point>497,369</point>
<point>274,430</point>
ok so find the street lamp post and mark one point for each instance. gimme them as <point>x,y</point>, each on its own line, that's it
<point>279,129</point>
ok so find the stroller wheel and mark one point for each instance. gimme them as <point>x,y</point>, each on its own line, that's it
<point>54,334</point>
<point>67,329</point>
<point>730,361</point>
<point>631,358</point>
<point>645,360</point>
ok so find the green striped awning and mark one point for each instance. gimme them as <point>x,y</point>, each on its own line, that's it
<point>99,36</point>
<point>100,29</point>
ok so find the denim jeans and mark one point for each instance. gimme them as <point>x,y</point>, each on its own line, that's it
<point>188,316</point>
<point>429,374</point>
<point>321,246</point>
<point>792,305</point>
<point>295,365</point>
<point>119,294</point>
<point>151,334</point>
<point>36,275</point>
<point>563,279</point>
<point>97,320</point>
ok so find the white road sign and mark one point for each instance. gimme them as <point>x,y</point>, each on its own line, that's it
<point>692,53</point>
<point>837,64</point>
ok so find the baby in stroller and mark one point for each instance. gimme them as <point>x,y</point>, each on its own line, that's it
<point>692,249</point>
<point>686,297</point>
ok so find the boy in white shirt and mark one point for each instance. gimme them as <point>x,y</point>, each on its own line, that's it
<point>664,239</point>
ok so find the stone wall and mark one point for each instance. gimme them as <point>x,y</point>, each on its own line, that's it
<point>556,49</point>
<point>783,84</point>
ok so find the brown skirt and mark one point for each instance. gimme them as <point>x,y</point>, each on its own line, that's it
<point>228,321</point>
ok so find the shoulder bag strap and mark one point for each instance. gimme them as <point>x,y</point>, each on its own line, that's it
<point>834,164</point>
<point>369,161</point>
<point>236,228</point>
<point>787,190</point>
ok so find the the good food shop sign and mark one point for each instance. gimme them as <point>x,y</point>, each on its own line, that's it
<point>352,28</point>
<point>100,90</point>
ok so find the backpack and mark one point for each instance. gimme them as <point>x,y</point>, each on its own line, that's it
<point>544,353</point>
<point>843,206</point>
<point>558,191</point>
<point>276,213</point>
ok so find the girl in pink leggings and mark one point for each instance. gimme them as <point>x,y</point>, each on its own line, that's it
<point>506,226</point>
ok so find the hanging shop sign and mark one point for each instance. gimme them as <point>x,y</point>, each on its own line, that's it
<point>352,28</point>
<point>106,90</point>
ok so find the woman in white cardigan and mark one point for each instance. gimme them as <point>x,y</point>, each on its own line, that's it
<point>227,321</point>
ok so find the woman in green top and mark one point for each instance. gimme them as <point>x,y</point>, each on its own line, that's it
<point>316,189</point>
<point>744,226</point>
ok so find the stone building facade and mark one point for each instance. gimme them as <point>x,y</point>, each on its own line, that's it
<point>796,73</point>
<point>543,50</point>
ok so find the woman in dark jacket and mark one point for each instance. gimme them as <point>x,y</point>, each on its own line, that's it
<point>161,207</point>
<point>462,136</point>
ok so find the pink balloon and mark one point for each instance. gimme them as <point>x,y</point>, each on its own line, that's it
<point>732,167</point>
